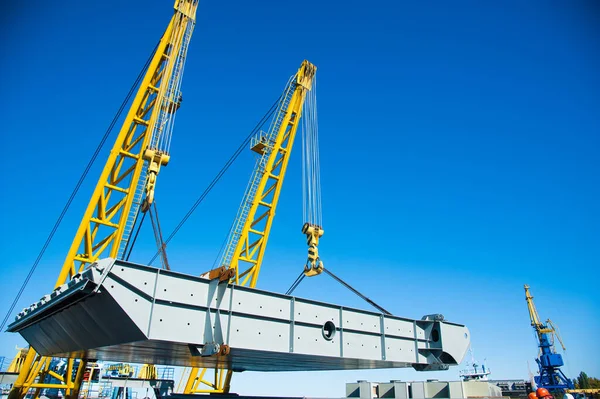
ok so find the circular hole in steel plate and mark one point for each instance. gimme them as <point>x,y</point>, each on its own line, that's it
<point>328,330</point>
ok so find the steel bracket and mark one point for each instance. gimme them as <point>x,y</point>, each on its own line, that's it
<point>213,327</point>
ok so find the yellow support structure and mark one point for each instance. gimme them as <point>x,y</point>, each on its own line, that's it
<point>126,183</point>
<point>246,247</point>
<point>250,248</point>
<point>148,372</point>
<point>536,323</point>
<point>17,362</point>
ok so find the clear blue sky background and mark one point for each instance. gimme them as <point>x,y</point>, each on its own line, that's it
<point>459,147</point>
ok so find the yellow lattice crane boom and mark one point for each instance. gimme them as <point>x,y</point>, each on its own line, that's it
<point>126,183</point>
<point>248,239</point>
<point>17,362</point>
<point>539,327</point>
<point>255,217</point>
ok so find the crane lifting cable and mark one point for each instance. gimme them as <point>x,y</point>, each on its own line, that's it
<point>160,243</point>
<point>311,183</point>
<point>312,209</point>
<point>298,280</point>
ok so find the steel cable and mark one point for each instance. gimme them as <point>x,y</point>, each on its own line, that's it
<point>139,227</point>
<point>345,284</point>
<point>296,283</point>
<point>299,279</point>
<point>311,176</point>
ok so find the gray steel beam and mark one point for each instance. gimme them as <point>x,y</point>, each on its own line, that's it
<point>120,311</point>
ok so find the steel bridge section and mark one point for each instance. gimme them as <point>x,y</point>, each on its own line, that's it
<point>120,311</point>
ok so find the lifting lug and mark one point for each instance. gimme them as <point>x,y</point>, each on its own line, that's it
<point>224,350</point>
<point>221,273</point>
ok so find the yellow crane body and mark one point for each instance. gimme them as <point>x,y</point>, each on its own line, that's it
<point>126,183</point>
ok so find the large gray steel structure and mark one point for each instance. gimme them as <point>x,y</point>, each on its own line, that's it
<point>120,311</point>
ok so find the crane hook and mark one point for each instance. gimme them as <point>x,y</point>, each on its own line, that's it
<point>314,265</point>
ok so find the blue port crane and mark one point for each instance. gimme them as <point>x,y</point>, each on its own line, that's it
<point>549,362</point>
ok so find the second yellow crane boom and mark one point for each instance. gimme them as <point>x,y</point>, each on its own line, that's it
<point>248,239</point>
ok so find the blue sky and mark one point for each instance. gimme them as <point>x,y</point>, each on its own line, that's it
<point>458,146</point>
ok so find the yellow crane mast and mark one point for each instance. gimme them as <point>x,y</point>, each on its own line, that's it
<point>248,238</point>
<point>127,183</point>
<point>539,327</point>
<point>536,323</point>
